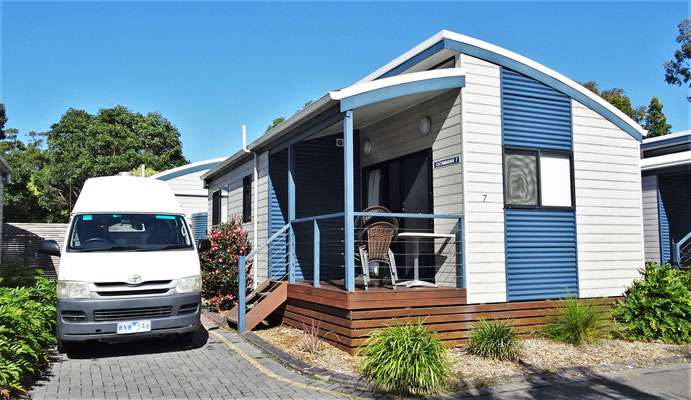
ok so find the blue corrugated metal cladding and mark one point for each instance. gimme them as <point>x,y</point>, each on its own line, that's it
<point>534,115</point>
<point>541,254</point>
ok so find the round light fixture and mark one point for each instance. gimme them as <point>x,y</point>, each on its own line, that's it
<point>425,126</point>
<point>367,147</point>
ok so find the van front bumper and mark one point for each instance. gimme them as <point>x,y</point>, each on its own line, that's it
<point>89,319</point>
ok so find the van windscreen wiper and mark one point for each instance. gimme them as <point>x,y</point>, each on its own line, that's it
<point>166,247</point>
<point>109,248</point>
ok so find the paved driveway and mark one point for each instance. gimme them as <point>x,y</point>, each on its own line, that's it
<point>159,368</point>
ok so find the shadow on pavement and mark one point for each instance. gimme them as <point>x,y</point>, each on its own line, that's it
<point>164,344</point>
<point>556,387</point>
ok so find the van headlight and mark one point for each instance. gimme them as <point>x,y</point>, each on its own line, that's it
<point>73,290</point>
<point>189,284</point>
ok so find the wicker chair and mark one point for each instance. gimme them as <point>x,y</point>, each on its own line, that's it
<point>377,247</point>
<point>366,220</point>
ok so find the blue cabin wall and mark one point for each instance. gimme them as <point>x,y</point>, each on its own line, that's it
<point>318,191</point>
<point>674,210</point>
<point>540,245</point>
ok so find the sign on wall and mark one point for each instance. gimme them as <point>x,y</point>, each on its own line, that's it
<point>447,161</point>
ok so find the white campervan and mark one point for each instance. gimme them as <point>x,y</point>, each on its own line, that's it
<point>129,266</point>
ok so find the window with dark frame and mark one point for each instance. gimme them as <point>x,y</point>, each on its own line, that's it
<point>540,179</point>
<point>216,208</point>
<point>247,198</point>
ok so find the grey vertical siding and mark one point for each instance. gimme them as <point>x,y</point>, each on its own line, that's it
<point>232,206</point>
<point>651,227</point>
<point>399,135</point>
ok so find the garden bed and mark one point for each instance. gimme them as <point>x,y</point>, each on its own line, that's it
<point>536,355</point>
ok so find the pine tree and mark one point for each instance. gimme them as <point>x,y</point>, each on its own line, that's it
<point>655,120</point>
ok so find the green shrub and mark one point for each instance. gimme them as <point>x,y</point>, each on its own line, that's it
<point>220,265</point>
<point>577,321</point>
<point>405,359</point>
<point>657,307</point>
<point>496,339</point>
<point>27,327</point>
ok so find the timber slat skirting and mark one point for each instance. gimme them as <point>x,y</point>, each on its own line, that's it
<point>346,319</point>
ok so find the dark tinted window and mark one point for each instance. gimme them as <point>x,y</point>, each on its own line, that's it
<point>110,232</point>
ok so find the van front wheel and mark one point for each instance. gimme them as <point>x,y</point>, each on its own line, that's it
<point>64,347</point>
<point>184,339</point>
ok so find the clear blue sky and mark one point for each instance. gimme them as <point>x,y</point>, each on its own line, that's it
<point>211,67</point>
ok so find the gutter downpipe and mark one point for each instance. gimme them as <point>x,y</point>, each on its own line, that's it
<point>255,212</point>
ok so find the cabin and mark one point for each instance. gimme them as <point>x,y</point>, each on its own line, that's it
<point>483,185</point>
<point>666,180</point>
<point>189,192</point>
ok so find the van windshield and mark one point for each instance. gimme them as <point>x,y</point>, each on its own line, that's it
<point>129,232</point>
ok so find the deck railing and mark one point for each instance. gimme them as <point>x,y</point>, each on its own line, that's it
<point>285,239</point>
<point>682,251</point>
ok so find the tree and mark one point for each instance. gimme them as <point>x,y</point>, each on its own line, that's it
<point>3,120</point>
<point>618,98</point>
<point>274,124</point>
<point>677,71</point>
<point>81,146</point>
<point>655,120</point>
<point>652,117</point>
<point>20,198</point>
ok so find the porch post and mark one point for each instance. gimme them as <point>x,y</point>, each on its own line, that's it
<point>291,213</point>
<point>349,201</point>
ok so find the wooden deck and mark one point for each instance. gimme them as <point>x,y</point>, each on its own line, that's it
<point>346,319</point>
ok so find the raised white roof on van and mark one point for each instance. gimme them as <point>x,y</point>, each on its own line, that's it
<point>126,194</point>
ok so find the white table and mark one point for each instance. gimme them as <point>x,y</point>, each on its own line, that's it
<point>416,236</point>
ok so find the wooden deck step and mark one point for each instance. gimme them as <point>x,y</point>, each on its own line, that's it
<point>263,303</point>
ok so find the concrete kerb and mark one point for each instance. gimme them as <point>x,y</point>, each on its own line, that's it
<point>560,376</point>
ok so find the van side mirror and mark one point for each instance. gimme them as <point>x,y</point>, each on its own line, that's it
<point>204,245</point>
<point>49,247</point>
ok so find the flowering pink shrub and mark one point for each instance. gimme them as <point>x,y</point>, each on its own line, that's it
<point>220,265</point>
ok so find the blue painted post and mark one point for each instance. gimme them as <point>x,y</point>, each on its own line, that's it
<point>242,263</point>
<point>349,201</point>
<point>316,253</point>
<point>291,213</point>
<point>461,250</point>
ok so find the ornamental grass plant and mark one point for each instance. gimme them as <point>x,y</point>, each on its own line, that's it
<point>405,359</point>
<point>658,306</point>
<point>495,339</point>
<point>577,321</point>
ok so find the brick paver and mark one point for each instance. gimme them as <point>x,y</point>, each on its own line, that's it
<point>161,369</point>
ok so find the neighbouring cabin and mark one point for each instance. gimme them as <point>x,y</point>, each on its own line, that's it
<point>190,193</point>
<point>458,175</point>
<point>666,175</point>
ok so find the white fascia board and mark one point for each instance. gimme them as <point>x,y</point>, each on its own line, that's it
<point>187,166</point>
<point>667,137</point>
<point>403,58</point>
<point>5,167</point>
<point>666,161</point>
<point>364,87</point>
<point>508,54</point>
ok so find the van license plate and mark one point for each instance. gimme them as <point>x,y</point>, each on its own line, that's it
<point>133,327</point>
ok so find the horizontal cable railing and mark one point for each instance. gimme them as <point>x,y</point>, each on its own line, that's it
<point>430,254</point>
